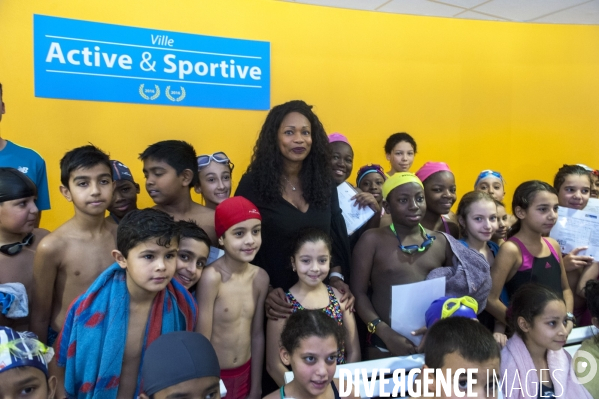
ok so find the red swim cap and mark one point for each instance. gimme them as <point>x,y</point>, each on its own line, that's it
<point>232,211</point>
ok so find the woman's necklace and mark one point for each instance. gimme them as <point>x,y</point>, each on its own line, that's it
<point>292,186</point>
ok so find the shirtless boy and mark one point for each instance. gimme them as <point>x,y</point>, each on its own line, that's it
<point>406,254</point>
<point>171,172</point>
<point>108,328</point>
<point>70,258</point>
<point>231,295</point>
<point>124,197</point>
<point>18,237</point>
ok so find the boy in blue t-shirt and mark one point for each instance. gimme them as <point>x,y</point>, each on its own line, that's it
<point>26,161</point>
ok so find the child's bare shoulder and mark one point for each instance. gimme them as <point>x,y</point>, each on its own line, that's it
<point>337,293</point>
<point>40,234</point>
<point>554,243</point>
<point>54,242</point>
<point>211,275</point>
<point>373,236</point>
<point>260,276</point>
<point>200,209</point>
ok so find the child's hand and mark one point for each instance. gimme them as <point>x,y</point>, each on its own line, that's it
<point>500,338</point>
<point>399,345</point>
<point>421,331</point>
<point>365,199</point>
<point>573,261</point>
<point>345,292</point>
<point>276,305</point>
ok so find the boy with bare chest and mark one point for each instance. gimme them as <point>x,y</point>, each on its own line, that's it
<point>231,296</point>
<point>18,240</point>
<point>108,328</point>
<point>70,258</point>
<point>171,171</point>
<point>402,253</point>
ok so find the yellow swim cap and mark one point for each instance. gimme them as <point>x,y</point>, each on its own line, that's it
<point>397,180</point>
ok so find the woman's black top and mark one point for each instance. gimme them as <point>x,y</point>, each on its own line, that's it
<point>280,223</point>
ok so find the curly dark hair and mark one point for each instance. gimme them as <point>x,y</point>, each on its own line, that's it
<point>267,161</point>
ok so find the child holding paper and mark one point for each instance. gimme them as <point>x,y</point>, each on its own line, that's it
<point>381,263</point>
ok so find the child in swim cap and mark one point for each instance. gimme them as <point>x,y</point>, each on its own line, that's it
<point>405,253</point>
<point>24,366</point>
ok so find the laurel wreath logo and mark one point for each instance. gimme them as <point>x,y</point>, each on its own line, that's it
<point>145,96</point>
<point>180,98</point>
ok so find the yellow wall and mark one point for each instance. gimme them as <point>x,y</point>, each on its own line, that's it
<point>520,98</point>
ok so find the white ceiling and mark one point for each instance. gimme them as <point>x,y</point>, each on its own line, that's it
<point>584,12</point>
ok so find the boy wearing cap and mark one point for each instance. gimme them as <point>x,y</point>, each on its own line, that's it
<point>24,366</point>
<point>18,242</point>
<point>70,258</point>
<point>124,197</point>
<point>231,295</point>
<point>171,171</point>
<point>181,365</point>
<point>405,253</point>
<point>109,327</point>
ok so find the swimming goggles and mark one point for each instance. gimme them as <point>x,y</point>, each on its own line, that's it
<point>487,173</point>
<point>410,249</point>
<point>15,248</point>
<point>26,348</point>
<point>220,157</point>
<point>452,305</point>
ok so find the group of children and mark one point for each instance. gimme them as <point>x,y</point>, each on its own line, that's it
<point>103,290</point>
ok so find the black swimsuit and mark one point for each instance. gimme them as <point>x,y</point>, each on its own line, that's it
<point>546,271</point>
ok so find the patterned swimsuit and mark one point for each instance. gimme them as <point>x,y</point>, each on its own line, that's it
<point>333,310</point>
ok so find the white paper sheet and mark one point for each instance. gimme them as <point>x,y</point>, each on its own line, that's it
<point>409,303</point>
<point>578,228</point>
<point>354,217</point>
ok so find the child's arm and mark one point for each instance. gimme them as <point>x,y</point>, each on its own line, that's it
<point>589,273</point>
<point>206,293</point>
<point>274,366</point>
<point>45,269</point>
<point>505,261</point>
<point>567,292</point>
<point>499,333</point>
<point>261,282</point>
<point>352,342</point>
<point>361,268</point>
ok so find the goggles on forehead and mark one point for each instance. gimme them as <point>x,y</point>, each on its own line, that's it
<point>15,248</point>
<point>26,348</point>
<point>487,173</point>
<point>219,157</point>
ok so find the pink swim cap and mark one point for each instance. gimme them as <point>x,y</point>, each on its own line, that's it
<point>333,137</point>
<point>430,168</point>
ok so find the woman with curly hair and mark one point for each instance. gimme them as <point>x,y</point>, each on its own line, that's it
<point>289,180</point>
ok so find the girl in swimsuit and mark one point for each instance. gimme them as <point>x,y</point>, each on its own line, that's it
<point>527,256</point>
<point>440,195</point>
<point>310,344</point>
<point>311,261</point>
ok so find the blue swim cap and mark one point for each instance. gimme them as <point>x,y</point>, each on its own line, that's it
<point>22,349</point>
<point>449,306</point>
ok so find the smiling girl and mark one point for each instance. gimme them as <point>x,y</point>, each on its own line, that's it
<point>214,182</point>
<point>540,320</point>
<point>527,255</point>
<point>440,194</point>
<point>311,261</point>
<point>310,345</point>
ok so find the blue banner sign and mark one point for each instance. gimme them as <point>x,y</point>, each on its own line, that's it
<point>82,60</point>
